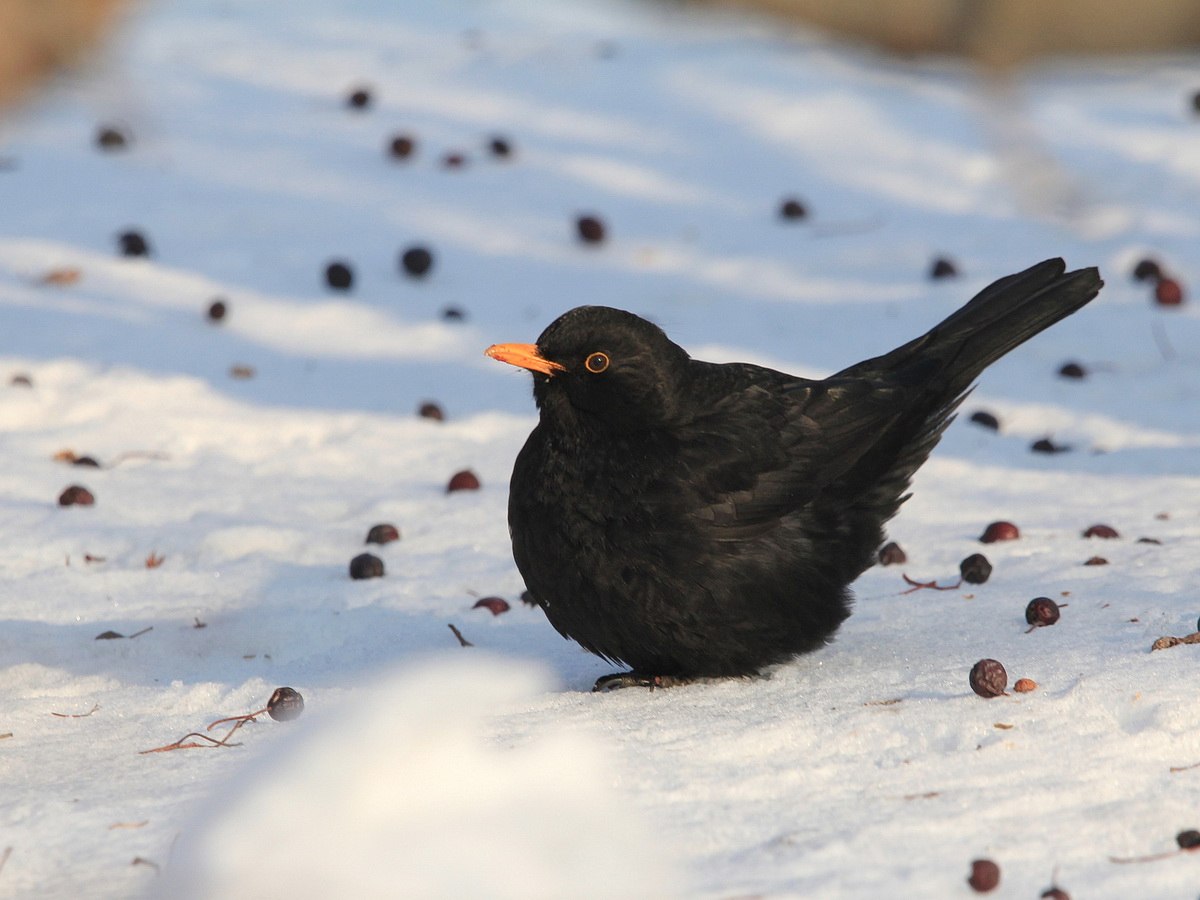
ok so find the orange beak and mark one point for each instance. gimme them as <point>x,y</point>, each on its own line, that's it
<point>524,355</point>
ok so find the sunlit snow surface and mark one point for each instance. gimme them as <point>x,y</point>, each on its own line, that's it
<point>422,768</point>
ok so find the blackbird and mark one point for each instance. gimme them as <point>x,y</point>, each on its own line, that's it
<point>695,520</point>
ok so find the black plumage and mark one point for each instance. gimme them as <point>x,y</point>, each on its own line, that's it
<point>694,519</point>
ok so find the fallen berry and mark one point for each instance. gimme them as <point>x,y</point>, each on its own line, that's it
<point>942,268</point>
<point>1041,611</point>
<point>985,875</point>
<point>21,380</point>
<point>988,678</point>
<point>453,314</point>
<point>792,209</point>
<point>1168,292</point>
<point>1055,893</point>
<point>1095,561</point>
<point>999,531</point>
<point>466,480</point>
<point>285,704</point>
<point>527,599</point>
<point>1148,540</point>
<point>133,243</point>
<point>359,98</point>
<point>891,554</point>
<point>76,495</point>
<point>495,605</point>
<point>416,261</point>
<point>1045,445</point>
<point>453,161</point>
<point>590,229</point>
<point>1147,269</point>
<point>975,569</point>
<point>1072,370</point>
<point>338,276</point>
<point>89,461</point>
<point>500,147</point>
<point>1188,840</point>
<point>429,410</point>
<point>109,137</point>
<point>366,566</point>
<point>1101,531</point>
<point>986,419</point>
<point>383,534</point>
<point>1025,685</point>
<point>217,310</point>
<point>401,146</point>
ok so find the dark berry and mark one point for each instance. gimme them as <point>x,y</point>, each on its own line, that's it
<point>1095,561</point>
<point>942,268</point>
<point>1041,611</point>
<point>1168,292</point>
<point>495,605</point>
<point>453,160</point>
<point>217,310</point>
<point>132,243</point>
<point>88,461</point>
<point>999,531</point>
<point>285,704</point>
<point>21,380</point>
<point>1055,893</point>
<point>986,419</point>
<point>527,599</point>
<point>1148,540</point>
<point>359,98</point>
<point>416,261</point>
<point>975,569</point>
<point>590,229</point>
<point>366,566</point>
<point>792,209</point>
<point>1147,270</point>
<point>1072,370</point>
<point>454,314</point>
<point>338,276</point>
<point>430,410</point>
<point>383,534</point>
<point>76,495</point>
<point>1045,445</point>
<point>466,480</point>
<point>109,137</point>
<point>985,875</point>
<point>500,147</point>
<point>891,554</point>
<point>988,678</point>
<point>1188,840</point>
<point>1101,531</point>
<point>401,146</point>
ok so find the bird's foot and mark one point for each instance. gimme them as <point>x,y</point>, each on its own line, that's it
<point>619,680</point>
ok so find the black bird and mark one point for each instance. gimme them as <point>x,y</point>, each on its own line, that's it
<point>692,519</point>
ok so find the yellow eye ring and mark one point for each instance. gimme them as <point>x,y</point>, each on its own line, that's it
<point>596,363</point>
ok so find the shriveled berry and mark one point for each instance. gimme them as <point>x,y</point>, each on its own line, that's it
<point>383,533</point>
<point>999,531</point>
<point>942,268</point>
<point>988,678</point>
<point>1168,292</point>
<point>359,98</point>
<point>1045,445</point>
<point>1072,370</point>
<point>339,276</point>
<point>466,480</point>
<point>495,605</point>
<point>985,875</point>
<point>133,243</point>
<point>791,209</point>
<point>1188,840</point>
<point>430,410</point>
<point>1025,685</point>
<point>401,146</point>
<point>1147,269</point>
<point>590,229</point>
<point>891,554</point>
<point>975,569</point>
<point>1095,561</point>
<point>416,261</point>
<point>285,704</point>
<point>110,137</point>
<point>366,566</point>
<point>500,147</point>
<point>217,310</point>
<point>985,419</point>
<point>1041,611</point>
<point>1101,531</point>
<point>76,495</point>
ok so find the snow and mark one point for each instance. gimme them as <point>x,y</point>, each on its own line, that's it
<point>423,768</point>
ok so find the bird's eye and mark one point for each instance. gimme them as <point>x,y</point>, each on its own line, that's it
<point>596,363</point>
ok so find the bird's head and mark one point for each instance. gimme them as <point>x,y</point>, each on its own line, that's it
<point>598,366</point>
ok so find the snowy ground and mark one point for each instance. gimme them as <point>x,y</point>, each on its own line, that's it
<point>422,768</point>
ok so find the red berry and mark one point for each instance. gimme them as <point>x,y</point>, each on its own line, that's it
<point>383,534</point>
<point>466,480</point>
<point>985,875</point>
<point>1101,531</point>
<point>999,531</point>
<point>892,554</point>
<point>76,495</point>
<point>495,605</point>
<point>1168,292</point>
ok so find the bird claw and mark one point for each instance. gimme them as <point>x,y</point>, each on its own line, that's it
<point>618,680</point>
